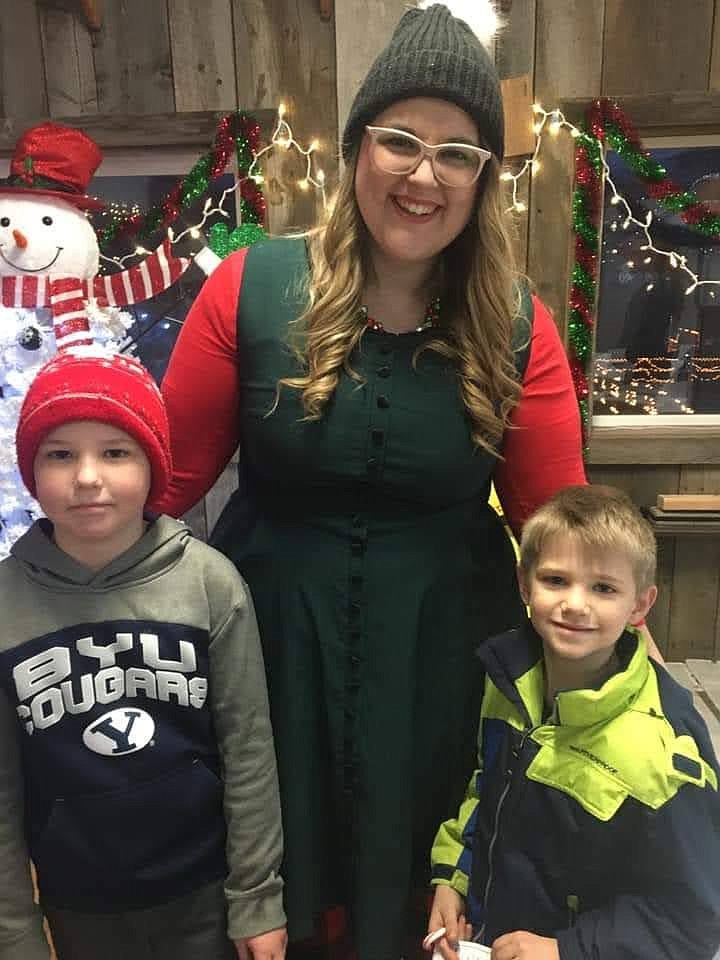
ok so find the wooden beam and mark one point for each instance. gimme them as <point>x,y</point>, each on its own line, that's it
<point>69,69</point>
<point>202,48</point>
<point>568,63</point>
<point>22,77</point>
<point>664,113</point>
<point>680,444</point>
<point>516,41</point>
<point>550,240</point>
<point>116,130</point>
<point>568,49</point>
<point>518,101</point>
<point>133,64</point>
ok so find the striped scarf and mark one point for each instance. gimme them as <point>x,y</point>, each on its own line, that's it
<point>67,296</point>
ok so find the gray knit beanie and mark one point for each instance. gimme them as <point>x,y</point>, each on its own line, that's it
<point>431,54</point>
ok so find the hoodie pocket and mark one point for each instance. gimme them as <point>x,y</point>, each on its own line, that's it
<point>152,832</point>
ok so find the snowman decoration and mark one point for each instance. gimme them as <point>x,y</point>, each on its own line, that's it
<point>50,293</point>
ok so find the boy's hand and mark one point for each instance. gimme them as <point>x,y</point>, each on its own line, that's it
<point>522,945</point>
<point>448,910</point>
<point>265,946</point>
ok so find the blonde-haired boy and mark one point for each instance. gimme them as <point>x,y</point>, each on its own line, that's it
<point>592,828</point>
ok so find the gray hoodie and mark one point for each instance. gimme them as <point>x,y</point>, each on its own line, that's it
<point>136,755</point>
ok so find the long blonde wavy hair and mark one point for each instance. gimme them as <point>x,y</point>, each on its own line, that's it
<point>479,308</point>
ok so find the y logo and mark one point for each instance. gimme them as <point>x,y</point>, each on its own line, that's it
<point>120,731</point>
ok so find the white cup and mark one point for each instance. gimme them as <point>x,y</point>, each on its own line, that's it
<point>467,950</point>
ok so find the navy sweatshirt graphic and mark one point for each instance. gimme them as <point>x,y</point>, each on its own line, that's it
<point>136,756</point>
<point>123,795</point>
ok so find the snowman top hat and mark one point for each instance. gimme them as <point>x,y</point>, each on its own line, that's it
<point>51,160</point>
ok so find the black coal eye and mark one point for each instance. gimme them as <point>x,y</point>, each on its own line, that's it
<point>47,221</point>
<point>5,222</point>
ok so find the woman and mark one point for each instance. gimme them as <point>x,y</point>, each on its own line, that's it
<point>378,377</point>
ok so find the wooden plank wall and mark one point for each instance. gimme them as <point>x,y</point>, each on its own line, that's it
<point>178,55</point>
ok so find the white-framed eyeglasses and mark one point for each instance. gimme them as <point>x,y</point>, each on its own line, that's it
<point>401,153</point>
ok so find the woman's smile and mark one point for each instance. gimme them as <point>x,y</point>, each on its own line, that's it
<point>421,210</point>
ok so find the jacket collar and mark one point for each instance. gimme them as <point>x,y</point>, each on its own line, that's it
<point>514,663</point>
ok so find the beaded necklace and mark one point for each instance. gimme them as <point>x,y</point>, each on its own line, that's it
<point>431,318</point>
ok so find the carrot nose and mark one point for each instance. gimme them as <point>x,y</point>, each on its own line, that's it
<point>20,239</point>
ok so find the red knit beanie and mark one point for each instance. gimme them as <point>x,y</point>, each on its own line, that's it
<point>112,389</point>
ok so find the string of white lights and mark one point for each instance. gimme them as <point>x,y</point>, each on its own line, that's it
<point>120,261</point>
<point>555,121</point>
<point>282,138</point>
<point>532,165</point>
<point>208,211</point>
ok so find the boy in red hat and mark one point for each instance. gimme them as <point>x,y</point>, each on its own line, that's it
<point>137,766</point>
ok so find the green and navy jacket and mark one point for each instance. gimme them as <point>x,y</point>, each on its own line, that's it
<point>598,824</point>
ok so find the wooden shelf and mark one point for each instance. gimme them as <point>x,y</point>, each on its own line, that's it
<point>684,528</point>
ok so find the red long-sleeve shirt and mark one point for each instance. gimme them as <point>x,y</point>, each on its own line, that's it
<point>202,392</point>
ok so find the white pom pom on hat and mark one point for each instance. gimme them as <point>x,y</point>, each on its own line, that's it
<point>480,15</point>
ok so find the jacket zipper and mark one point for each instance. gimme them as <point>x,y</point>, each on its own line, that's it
<point>478,938</point>
<point>573,905</point>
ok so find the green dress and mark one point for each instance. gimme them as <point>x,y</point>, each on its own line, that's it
<point>376,568</point>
